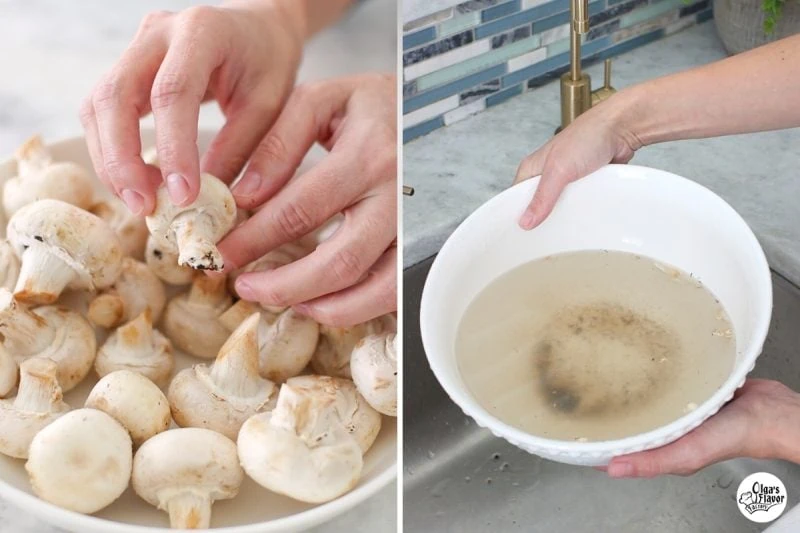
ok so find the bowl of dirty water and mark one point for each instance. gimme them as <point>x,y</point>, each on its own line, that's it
<point>621,323</point>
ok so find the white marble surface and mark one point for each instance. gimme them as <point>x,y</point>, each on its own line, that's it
<point>52,52</point>
<point>455,169</point>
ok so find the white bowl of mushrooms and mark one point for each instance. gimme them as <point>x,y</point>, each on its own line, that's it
<point>139,395</point>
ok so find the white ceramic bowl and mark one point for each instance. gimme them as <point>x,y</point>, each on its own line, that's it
<point>254,510</point>
<point>619,207</point>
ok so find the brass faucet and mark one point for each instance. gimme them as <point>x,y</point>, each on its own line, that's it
<point>576,86</point>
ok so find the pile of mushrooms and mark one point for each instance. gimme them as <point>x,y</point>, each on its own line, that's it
<point>273,394</point>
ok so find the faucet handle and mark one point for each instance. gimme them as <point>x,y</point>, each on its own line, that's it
<point>606,90</point>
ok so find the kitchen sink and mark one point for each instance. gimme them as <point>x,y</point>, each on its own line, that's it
<point>460,478</point>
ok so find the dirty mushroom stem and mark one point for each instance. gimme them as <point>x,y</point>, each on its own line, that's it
<point>194,235</point>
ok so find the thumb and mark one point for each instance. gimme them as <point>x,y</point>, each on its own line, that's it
<point>555,178</point>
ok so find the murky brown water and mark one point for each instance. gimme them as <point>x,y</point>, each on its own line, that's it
<point>594,345</point>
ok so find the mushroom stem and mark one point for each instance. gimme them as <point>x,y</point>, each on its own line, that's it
<point>38,387</point>
<point>194,236</point>
<point>106,309</point>
<point>189,510</point>
<point>32,156</point>
<point>236,369</point>
<point>138,333</point>
<point>25,332</point>
<point>208,290</point>
<point>43,276</point>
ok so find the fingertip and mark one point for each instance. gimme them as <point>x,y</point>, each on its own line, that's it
<point>620,469</point>
<point>244,289</point>
<point>528,220</point>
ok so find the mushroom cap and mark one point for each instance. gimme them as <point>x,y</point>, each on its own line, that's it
<point>81,462</point>
<point>164,264</point>
<point>150,156</point>
<point>73,348</point>
<point>73,345</point>
<point>186,460</point>
<point>300,449</point>
<point>137,288</point>
<point>131,230</point>
<point>332,356</point>
<point>210,216</point>
<point>39,178</point>
<point>287,340</point>
<point>10,266</point>
<point>138,347</point>
<point>76,237</point>
<point>339,394</point>
<point>134,401</point>
<point>223,396</point>
<point>38,403</point>
<point>9,372</point>
<point>191,320</point>
<point>374,369</point>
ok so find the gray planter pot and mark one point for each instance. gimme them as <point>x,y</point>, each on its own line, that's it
<point>740,23</point>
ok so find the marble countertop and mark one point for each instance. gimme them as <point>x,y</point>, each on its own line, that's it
<point>456,169</point>
<point>54,52</point>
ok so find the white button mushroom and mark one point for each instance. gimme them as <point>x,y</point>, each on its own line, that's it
<point>136,289</point>
<point>38,177</point>
<point>138,347</point>
<point>50,332</point>
<point>374,369</point>
<point>332,357</point>
<point>134,401</point>
<point>81,462</point>
<point>191,320</point>
<point>194,230</point>
<point>150,156</point>
<point>300,449</point>
<point>357,416</point>
<point>221,397</point>
<point>9,266</point>
<point>62,246</point>
<point>37,404</point>
<point>286,340</point>
<point>131,229</point>
<point>9,372</point>
<point>184,471</point>
<point>164,264</point>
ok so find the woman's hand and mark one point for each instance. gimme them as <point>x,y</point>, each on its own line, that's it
<point>594,139</point>
<point>351,277</point>
<point>760,422</point>
<point>244,55</point>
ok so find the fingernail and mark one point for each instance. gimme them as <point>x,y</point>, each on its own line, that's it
<point>248,185</point>
<point>178,188</point>
<point>244,290</point>
<point>133,200</point>
<point>527,220</point>
<point>618,470</point>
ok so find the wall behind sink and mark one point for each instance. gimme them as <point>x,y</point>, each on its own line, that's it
<point>462,59</point>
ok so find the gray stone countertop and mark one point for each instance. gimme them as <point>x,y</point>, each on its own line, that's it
<point>51,54</point>
<point>456,169</point>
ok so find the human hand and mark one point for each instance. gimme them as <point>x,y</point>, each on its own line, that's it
<point>243,54</point>
<point>350,277</point>
<point>596,138</point>
<point>760,422</point>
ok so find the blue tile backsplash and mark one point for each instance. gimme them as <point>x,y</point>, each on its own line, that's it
<point>480,53</point>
